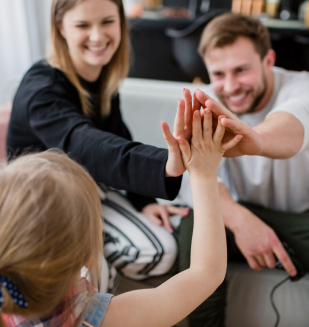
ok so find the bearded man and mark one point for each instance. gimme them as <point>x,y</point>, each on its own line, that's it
<point>264,180</point>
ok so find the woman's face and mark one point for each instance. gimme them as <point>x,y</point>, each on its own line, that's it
<point>92,32</point>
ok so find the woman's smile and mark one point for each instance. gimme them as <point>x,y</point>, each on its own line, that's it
<point>93,34</point>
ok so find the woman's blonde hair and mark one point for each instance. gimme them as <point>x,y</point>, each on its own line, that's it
<point>50,218</point>
<point>113,73</point>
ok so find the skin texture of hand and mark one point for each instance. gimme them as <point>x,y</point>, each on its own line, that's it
<point>206,142</point>
<point>160,214</point>
<point>259,243</point>
<point>182,128</point>
<point>251,144</point>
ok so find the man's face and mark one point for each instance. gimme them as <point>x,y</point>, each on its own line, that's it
<point>238,75</point>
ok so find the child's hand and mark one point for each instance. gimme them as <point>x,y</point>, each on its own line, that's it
<point>206,150</point>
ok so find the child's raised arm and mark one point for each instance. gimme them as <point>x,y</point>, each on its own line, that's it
<point>180,295</point>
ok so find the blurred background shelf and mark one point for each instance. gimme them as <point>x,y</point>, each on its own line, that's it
<point>156,55</point>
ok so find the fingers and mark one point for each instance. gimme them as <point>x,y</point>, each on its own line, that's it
<point>185,150</point>
<point>164,213</point>
<point>179,124</point>
<point>174,166</point>
<point>267,258</point>
<point>253,263</point>
<point>219,131</point>
<point>236,126</point>
<point>196,127</point>
<point>231,143</point>
<point>178,211</point>
<point>196,104</point>
<point>165,217</point>
<point>201,97</point>
<point>270,260</point>
<point>158,214</point>
<point>168,136</point>
<point>156,220</point>
<point>284,258</point>
<point>218,108</point>
<point>188,109</point>
<point>261,261</point>
<point>207,125</point>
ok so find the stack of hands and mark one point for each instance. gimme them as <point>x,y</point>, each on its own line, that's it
<point>251,143</point>
<point>159,214</point>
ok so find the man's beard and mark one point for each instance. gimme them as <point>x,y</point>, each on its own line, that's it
<point>256,100</point>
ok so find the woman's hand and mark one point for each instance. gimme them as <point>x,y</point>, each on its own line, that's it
<point>182,128</point>
<point>160,214</point>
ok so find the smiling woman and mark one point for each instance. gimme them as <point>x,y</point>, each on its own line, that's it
<point>71,102</point>
<point>92,40</point>
<point>77,27</point>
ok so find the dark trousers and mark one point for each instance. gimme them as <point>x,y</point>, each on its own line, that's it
<point>292,228</point>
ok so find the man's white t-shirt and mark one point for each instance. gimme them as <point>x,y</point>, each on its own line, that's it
<point>279,184</point>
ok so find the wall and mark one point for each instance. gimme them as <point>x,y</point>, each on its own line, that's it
<point>24,26</point>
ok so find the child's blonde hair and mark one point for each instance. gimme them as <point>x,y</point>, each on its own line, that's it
<point>50,218</point>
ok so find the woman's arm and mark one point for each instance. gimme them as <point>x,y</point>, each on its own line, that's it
<point>176,298</point>
<point>279,136</point>
<point>55,122</point>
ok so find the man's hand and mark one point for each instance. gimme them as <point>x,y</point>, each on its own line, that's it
<point>259,243</point>
<point>182,128</point>
<point>251,144</point>
<point>160,214</point>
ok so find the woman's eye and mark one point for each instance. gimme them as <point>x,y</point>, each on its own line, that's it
<point>108,21</point>
<point>81,26</point>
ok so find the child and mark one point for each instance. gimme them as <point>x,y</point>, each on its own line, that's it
<point>51,228</point>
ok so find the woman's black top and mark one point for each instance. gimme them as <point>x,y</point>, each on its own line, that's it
<point>47,113</point>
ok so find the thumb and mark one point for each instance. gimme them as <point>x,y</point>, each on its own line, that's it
<point>185,149</point>
<point>168,136</point>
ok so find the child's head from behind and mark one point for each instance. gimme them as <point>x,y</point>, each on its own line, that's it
<point>87,36</point>
<point>50,228</point>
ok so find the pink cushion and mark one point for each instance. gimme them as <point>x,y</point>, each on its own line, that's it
<point>5,113</point>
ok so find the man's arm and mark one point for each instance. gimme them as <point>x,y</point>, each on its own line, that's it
<point>279,136</point>
<point>257,241</point>
<point>282,135</point>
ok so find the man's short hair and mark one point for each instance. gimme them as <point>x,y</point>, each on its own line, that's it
<point>227,28</point>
